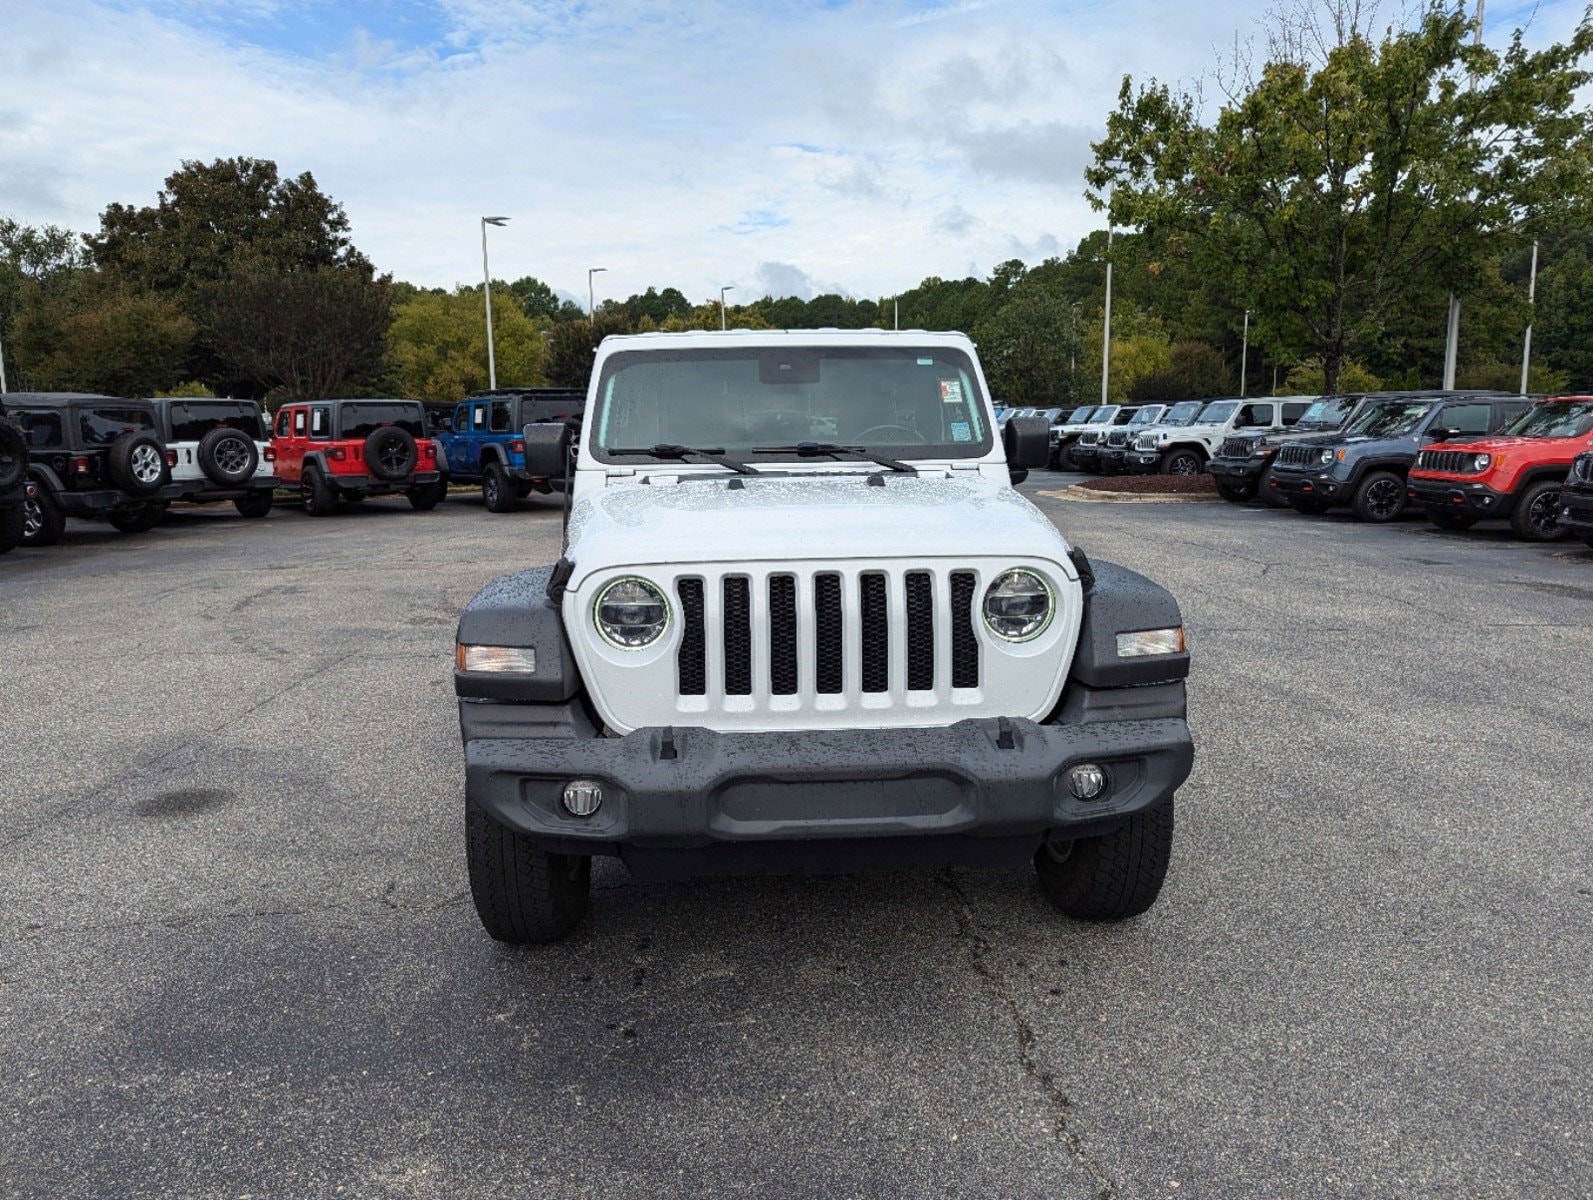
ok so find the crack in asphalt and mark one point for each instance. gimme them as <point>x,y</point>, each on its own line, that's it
<point>978,948</point>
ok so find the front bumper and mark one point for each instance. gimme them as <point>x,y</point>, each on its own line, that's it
<point>769,797</point>
<point>1576,509</point>
<point>1317,485</point>
<point>1475,498</point>
<point>1142,461</point>
<point>1237,470</point>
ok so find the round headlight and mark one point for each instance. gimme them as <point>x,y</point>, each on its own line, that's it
<point>1327,456</point>
<point>1018,606</point>
<point>631,613</point>
<point>1480,463</point>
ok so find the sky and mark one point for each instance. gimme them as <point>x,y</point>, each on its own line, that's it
<point>791,148</point>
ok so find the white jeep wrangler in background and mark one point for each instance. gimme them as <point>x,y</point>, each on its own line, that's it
<point>804,622</point>
<point>218,450</point>
<point>1186,449</point>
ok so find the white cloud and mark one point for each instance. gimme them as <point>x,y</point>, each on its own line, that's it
<point>678,145</point>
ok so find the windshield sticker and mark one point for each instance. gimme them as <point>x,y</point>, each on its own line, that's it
<point>961,432</point>
<point>951,391</point>
<point>926,362</point>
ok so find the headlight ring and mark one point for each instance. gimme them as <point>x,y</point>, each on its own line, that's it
<point>630,613</point>
<point>1018,605</point>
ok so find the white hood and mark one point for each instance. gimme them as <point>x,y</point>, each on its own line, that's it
<point>828,515</point>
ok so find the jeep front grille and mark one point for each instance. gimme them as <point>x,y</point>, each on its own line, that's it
<point>1582,469</point>
<point>1145,441</point>
<point>885,622</point>
<point>1236,447</point>
<point>1299,456</point>
<point>1454,462</point>
<point>1089,439</point>
<point>1117,439</point>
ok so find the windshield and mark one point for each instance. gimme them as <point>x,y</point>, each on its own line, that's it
<point>191,420</point>
<point>1147,416</point>
<point>362,419</point>
<point>1329,412</point>
<point>907,401</point>
<point>1104,414</point>
<point>1217,412</point>
<point>1079,415</point>
<point>1183,413</point>
<point>102,426</point>
<point>1393,419</point>
<point>1554,419</point>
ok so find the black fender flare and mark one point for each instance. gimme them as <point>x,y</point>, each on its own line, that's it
<point>516,610</point>
<point>1116,601</point>
<point>44,475</point>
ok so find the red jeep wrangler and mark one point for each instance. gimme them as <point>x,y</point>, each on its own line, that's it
<point>1514,475</point>
<point>356,448</point>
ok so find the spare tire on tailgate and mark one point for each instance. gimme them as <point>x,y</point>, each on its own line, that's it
<point>228,456</point>
<point>390,453</point>
<point>136,463</point>
<point>13,455</point>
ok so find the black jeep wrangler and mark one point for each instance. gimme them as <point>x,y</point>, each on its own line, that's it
<point>89,456</point>
<point>13,467</point>
<point>1576,499</point>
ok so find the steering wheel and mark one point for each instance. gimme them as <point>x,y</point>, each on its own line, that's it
<point>912,435</point>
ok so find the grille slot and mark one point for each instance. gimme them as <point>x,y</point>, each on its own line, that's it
<point>1455,462</point>
<point>1236,447</point>
<point>691,661</point>
<point>920,631</point>
<point>1117,439</point>
<point>876,632</point>
<point>828,631</point>
<point>782,635</point>
<point>738,637</point>
<point>964,642</point>
<point>1299,456</point>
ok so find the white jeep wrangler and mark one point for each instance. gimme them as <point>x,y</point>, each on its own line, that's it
<point>764,651</point>
<point>1185,449</point>
<point>218,451</point>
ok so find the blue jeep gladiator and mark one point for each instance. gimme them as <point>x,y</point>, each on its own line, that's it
<point>484,443</point>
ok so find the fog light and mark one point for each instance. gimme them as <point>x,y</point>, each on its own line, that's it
<point>1086,781</point>
<point>582,797</point>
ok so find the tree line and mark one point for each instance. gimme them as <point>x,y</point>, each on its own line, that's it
<point>1336,196</point>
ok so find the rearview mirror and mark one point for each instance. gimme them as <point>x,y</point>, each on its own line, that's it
<point>547,449</point>
<point>1027,442</point>
<point>1442,435</point>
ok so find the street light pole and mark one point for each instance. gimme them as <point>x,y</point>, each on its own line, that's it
<point>1452,339</point>
<point>1244,356</point>
<point>2,369</point>
<point>896,314</point>
<point>1526,344</point>
<point>1106,330</point>
<point>591,296</point>
<point>723,323</point>
<point>486,290</point>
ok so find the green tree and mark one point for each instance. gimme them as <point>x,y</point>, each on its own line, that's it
<point>1353,177</point>
<point>437,344</point>
<point>572,345</point>
<point>1562,332</point>
<point>1195,371</point>
<point>538,299</point>
<point>95,336</point>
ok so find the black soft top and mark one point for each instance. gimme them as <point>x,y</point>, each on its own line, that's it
<point>60,399</point>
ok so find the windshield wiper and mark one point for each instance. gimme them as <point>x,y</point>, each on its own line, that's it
<point>716,455</point>
<point>831,450</point>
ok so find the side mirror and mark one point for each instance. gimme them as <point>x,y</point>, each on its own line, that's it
<point>547,449</point>
<point>1027,442</point>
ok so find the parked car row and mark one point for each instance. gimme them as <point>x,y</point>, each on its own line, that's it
<point>126,460</point>
<point>1460,456</point>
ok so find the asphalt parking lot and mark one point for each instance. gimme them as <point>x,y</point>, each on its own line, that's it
<point>237,955</point>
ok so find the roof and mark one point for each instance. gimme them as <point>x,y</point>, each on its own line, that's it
<point>59,399</point>
<point>785,337</point>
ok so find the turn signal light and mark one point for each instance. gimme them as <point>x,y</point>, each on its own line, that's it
<point>497,660</point>
<point>1147,642</point>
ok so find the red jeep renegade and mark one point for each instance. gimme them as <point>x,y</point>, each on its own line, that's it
<point>1514,475</point>
<point>356,448</point>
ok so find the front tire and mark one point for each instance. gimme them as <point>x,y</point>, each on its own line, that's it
<point>138,520</point>
<point>1308,505</point>
<point>255,504</point>
<point>11,526</point>
<point>1114,876</point>
<point>424,497</point>
<point>523,894</point>
<point>1380,498</point>
<point>1182,462</point>
<point>1536,517</point>
<point>1273,497</point>
<point>1234,494</point>
<point>1447,518</point>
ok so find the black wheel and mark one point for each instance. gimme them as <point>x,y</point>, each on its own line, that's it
<point>1182,462</point>
<point>497,493</point>
<point>316,494</point>
<point>1448,518</point>
<point>1273,497</point>
<point>1237,493</point>
<point>1380,498</point>
<point>1113,876</point>
<point>10,527</point>
<point>136,463</point>
<point>424,497</point>
<point>522,893</point>
<point>255,504</point>
<point>43,522</point>
<point>390,453</point>
<point>228,457</point>
<point>138,520</point>
<point>13,456</point>
<point>1536,517</point>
